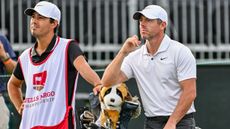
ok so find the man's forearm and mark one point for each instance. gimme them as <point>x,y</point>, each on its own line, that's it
<point>15,95</point>
<point>182,108</point>
<point>185,101</point>
<point>112,72</point>
<point>90,75</point>
<point>10,65</point>
<point>86,71</point>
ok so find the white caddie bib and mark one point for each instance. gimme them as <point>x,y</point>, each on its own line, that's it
<point>46,99</point>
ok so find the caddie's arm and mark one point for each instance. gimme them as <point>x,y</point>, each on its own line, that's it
<point>86,71</point>
<point>15,93</point>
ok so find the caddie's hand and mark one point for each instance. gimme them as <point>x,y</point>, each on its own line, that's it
<point>2,51</point>
<point>97,89</point>
<point>20,109</point>
<point>131,44</point>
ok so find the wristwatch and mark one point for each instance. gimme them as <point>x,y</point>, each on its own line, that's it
<point>7,57</point>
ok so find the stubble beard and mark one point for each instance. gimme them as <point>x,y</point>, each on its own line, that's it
<point>34,35</point>
<point>146,37</point>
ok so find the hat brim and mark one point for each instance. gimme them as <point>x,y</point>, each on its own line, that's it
<point>137,15</point>
<point>29,11</point>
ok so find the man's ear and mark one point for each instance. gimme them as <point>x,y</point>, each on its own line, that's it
<point>55,23</point>
<point>163,25</point>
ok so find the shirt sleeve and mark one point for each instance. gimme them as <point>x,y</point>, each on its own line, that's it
<point>18,72</point>
<point>186,66</point>
<point>126,67</point>
<point>74,51</point>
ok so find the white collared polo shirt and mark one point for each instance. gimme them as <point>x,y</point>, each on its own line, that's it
<point>158,76</point>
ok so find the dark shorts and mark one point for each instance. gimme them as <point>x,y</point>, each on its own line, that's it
<point>187,122</point>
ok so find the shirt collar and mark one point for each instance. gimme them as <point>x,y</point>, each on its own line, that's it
<point>163,46</point>
<point>48,49</point>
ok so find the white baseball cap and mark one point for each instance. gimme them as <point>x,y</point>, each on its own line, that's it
<point>45,9</point>
<point>152,12</point>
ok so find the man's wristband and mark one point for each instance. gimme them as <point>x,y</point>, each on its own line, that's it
<point>6,58</point>
<point>7,61</point>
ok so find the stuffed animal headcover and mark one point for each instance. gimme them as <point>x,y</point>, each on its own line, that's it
<point>111,100</point>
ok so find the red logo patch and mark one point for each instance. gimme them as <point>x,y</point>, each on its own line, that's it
<point>39,80</point>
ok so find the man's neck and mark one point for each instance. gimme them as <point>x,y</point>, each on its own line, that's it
<point>154,44</point>
<point>43,43</point>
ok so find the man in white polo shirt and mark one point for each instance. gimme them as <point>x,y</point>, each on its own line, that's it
<point>164,69</point>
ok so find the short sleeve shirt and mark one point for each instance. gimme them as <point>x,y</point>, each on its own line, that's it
<point>158,75</point>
